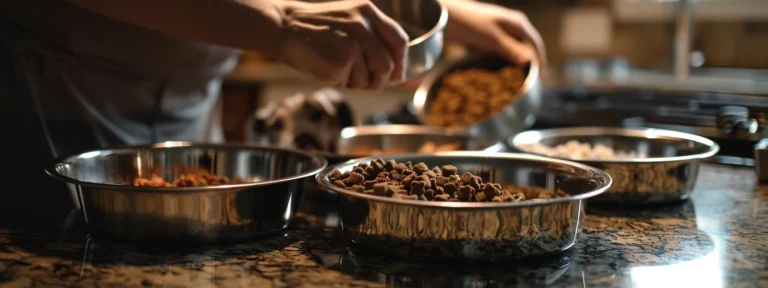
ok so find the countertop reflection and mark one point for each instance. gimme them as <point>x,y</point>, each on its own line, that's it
<point>719,238</point>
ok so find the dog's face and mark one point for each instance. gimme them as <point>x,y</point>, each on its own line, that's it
<point>308,122</point>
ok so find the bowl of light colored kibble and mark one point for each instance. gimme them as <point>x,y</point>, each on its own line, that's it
<point>647,165</point>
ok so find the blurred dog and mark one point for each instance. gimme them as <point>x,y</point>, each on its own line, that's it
<point>305,121</point>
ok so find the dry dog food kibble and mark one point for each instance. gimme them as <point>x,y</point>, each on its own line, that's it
<point>472,95</point>
<point>582,151</point>
<point>419,182</point>
<point>186,180</point>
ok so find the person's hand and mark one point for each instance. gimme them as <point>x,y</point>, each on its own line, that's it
<point>349,44</point>
<point>492,28</point>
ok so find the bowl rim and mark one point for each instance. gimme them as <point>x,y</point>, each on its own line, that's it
<point>406,129</point>
<point>421,97</point>
<point>442,21</point>
<point>402,129</point>
<point>50,169</point>
<point>322,179</point>
<point>520,139</point>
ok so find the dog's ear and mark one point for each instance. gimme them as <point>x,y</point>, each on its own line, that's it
<point>343,110</point>
<point>345,115</point>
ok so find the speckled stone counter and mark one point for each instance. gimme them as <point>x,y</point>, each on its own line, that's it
<point>719,238</point>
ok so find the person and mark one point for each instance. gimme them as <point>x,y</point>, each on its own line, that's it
<point>78,75</point>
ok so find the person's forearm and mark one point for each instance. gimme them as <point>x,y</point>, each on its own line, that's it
<point>245,24</point>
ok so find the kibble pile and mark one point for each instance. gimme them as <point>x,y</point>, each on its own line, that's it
<point>473,95</point>
<point>582,151</point>
<point>418,182</point>
<point>199,179</point>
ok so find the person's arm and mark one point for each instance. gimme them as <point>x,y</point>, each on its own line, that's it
<point>245,24</point>
<point>347,43</point>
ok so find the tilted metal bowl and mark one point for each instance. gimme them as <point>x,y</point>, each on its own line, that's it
<point>424,22</point>
<point>667,174</point>
<point>115,209</point>
<point>475,230</point>
<point>519,114</point>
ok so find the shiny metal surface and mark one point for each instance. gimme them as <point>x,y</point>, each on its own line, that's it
<point>391,271</point>
<point>115,209</point>
<point>354,141</point>
<point>407,138</point>
<point>734,120</point>
<point>424,21</point>
<point>668,174</point>
<point>479,231</point>
<point>515,117</point>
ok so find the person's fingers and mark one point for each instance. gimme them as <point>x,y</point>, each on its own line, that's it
<point>519,27</point>
<point>392,36</point>
<point>379,62</point>
<point>377,57</point>
<point>513,50</point>
<point>357,30</point>
<point>360,77</point>
<point>356,68</point>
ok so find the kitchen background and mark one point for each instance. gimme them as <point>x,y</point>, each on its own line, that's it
<point>589,43</point>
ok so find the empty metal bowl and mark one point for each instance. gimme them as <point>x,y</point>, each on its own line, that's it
<point>518,115</point>
<point>424,22</point>
<point>666,174</point>
<point>115,209</point>
<point>473,230</point>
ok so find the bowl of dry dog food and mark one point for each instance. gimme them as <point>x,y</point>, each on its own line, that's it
<point>646,165</point>
<point>366,141</point>
<point>485,94</point>
<point>184,192</point>
<point>466,205</point>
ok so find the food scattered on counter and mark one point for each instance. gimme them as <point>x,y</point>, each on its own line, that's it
<point>582,151</point>
<point>418,182</point>
<point>186,180</point>
<point>428,147</point>
<point>473,95</point>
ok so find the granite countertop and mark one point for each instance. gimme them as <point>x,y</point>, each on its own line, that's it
<point>719,238</point>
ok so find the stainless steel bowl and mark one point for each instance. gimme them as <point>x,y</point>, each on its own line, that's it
<point>357,142</point>
<point>667,174</point>
<point>115,209</point>
<point>424,21</point>
<point>517,116</point>
<point>479,231</point>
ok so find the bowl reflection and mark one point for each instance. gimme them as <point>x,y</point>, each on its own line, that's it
<point>397,273</point>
